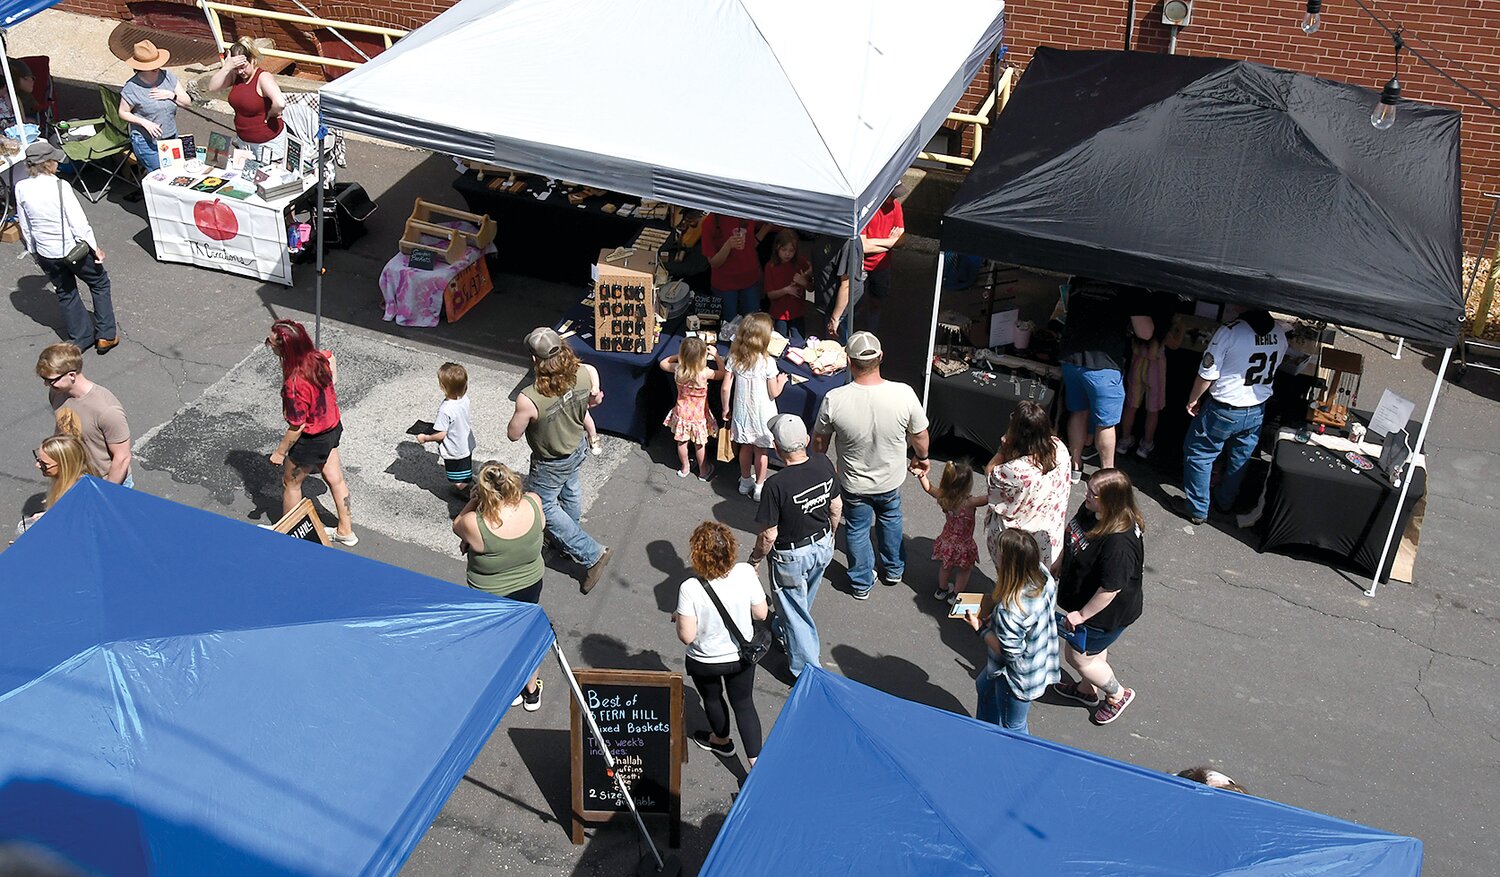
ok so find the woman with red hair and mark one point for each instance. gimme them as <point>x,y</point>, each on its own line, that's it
<point>311,408</point>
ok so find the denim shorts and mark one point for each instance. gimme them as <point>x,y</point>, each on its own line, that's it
<point>1099,391</point>
<point>1087,640</point>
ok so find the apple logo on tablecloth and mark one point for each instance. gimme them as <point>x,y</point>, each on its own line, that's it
<point>215,220</point>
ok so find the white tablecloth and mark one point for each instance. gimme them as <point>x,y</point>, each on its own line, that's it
<point>228,234</point>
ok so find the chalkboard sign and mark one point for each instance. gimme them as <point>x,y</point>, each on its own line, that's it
<point>640,715</point>
<point>708,306</point>
<point>422,260</point>
<point>302,522</point>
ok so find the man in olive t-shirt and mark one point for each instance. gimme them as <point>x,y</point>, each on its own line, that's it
<point>870,423</point>
<point>101,417</point>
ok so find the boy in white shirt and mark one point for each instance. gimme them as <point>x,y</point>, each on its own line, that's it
<point>452,428</point>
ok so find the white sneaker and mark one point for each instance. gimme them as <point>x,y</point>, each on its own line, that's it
<point>1145,449</point>
<point>1126,444</point>
<point>1077,475</point>
<point>746,485</point>
<point>595,447</point>
<point>755,491</point>
<point>351,540</point>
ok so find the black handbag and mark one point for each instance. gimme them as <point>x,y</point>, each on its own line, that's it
<point>760,633</point>
<point>80,249</point>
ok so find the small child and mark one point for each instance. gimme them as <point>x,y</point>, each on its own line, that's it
<point>955,549</point>
<point>588,426</point>
<point>689,419</point>
<point>787,277</point>
<point>753,382</point>
<point>452,429</point>
<point>1146,384</point>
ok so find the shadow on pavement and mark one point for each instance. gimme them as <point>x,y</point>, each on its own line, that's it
<point>896,676</point>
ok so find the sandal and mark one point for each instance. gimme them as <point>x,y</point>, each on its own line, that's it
<point>708,474</point>
<point>1068,688</point>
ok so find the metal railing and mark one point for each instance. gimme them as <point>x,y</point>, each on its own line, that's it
<point>212,9</point>
<point>977,122</point>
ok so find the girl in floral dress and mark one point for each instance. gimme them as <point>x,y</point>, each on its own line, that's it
<point>753,382</point>
<point>1028,483</point>
<point>689,420</point>
<point>955,549</point>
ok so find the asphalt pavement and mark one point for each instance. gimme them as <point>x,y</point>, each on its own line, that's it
<point>1279,670</point>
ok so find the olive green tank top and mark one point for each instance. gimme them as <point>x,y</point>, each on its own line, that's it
<point>558,428</point>
<point>507,565</point>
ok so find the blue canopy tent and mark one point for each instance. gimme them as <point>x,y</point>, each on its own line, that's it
<point>855,781</point>
<point>181,693</point>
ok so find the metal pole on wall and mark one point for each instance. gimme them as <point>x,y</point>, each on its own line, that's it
<point>318,283</point>
<point>1390,537</point>
<point>937,303</point>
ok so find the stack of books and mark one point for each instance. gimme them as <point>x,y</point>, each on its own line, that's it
<point>272,183</point>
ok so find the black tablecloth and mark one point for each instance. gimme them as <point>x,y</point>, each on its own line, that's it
<point>965,407</point>
<point>1314,498</point>
<point>550,238</point>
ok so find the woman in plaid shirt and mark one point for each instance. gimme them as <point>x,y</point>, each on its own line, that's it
<point>1021,636</point>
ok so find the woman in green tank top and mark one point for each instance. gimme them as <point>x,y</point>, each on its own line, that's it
<point>501,532</point>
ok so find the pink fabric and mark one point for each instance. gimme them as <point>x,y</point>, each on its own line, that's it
<point>414,297</point>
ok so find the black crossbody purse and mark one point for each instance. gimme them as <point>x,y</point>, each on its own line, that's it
<point>758,645</point>
<point>80,250</point>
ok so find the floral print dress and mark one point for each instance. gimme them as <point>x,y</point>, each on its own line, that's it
<point>689,419</point>
<point>955,546</point>
<point>1026,498</point>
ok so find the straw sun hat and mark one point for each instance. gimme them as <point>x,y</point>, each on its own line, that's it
<point>146,56</point>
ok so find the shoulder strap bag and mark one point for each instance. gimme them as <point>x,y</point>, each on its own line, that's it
<point>80,250</point>
<point>760,633</point>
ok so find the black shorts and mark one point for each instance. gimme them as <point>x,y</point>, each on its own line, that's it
<point>878,282</point>
<point>528,594</point>
<point>311,450</point>
<point>460,470</point>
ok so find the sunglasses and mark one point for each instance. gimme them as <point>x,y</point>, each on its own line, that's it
<point>52,381</point>
<point>38,457</point>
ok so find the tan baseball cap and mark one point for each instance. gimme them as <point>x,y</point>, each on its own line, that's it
<point>543,342</point>
<point>863,347</point>
<point>788,431</point>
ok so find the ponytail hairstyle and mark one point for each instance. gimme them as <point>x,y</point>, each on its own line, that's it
<point>498,487</point>
<point>752,341</point>
<point>692,359</point>
<point>957,485</point>
<point>68,423</point>
<point>1018,570</point>
<point>290,341</point>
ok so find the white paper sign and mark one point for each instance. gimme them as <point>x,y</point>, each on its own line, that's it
<point>1392,414</point>
<point>1003,327</point>
<point>1207,309</point>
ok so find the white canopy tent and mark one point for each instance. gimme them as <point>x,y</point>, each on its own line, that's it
<point>802,114</point>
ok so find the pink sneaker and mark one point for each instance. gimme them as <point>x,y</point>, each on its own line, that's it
<point>1109,711</point>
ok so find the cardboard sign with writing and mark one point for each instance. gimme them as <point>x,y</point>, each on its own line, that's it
<point>640,716</point>
<point>467,289</point>
<point>302,522</point>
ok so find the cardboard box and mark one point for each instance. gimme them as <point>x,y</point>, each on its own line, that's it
<point>10,232</point>
<point>625,302</point>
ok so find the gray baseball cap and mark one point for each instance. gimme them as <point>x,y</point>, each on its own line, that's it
<point>543,342</point>
<point>788,431</point>
<point>42,151</point>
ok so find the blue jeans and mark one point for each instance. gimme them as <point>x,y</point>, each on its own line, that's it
<point>83,328</point>
<point>739,301</point>
<point>145,150</point>
<point>1217,427</point>
<point>861,514</point>
<point>795,577</point>
<point>556,482</point>
<point>999,705</point>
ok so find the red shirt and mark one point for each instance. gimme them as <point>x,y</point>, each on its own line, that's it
<point>315,409</point>
<point>742,268</point>
<point>250,108</point>
<point>779,276</point>
<point>887,217</point>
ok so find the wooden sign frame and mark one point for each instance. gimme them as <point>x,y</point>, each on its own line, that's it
<point>578,729</point>
<point>303,521</point>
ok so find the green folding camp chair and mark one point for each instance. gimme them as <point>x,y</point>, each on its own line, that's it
<point>107,151</point>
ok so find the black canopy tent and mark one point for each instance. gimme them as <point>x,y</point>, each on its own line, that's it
<point>1227,181</point>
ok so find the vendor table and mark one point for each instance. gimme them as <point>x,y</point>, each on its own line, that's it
<point>803,399</point>
<point>213,231</point>
<point>1314,497</point>
<point>977,411</point>
<point>550,238</point>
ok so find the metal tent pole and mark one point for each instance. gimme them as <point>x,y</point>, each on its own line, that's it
<point>10,90</point>
<point>937,303</point>
<point>318,283</point>
<point>609,761</point>
<point>1390,537</point>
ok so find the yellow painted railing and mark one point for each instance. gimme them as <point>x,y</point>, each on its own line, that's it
<point>212,9</point>
<point>977,122</point>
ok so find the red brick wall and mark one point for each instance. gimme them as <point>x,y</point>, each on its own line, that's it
<point>1349,47</point>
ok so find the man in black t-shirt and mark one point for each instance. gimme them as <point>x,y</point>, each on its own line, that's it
<point>799,512</point>
<point>1095,351</point>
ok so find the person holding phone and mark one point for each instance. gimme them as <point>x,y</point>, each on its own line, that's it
<point>1099,593</point>
<point>1020,636</point>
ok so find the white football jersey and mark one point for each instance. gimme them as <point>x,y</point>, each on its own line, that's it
<point>1242,364</point>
